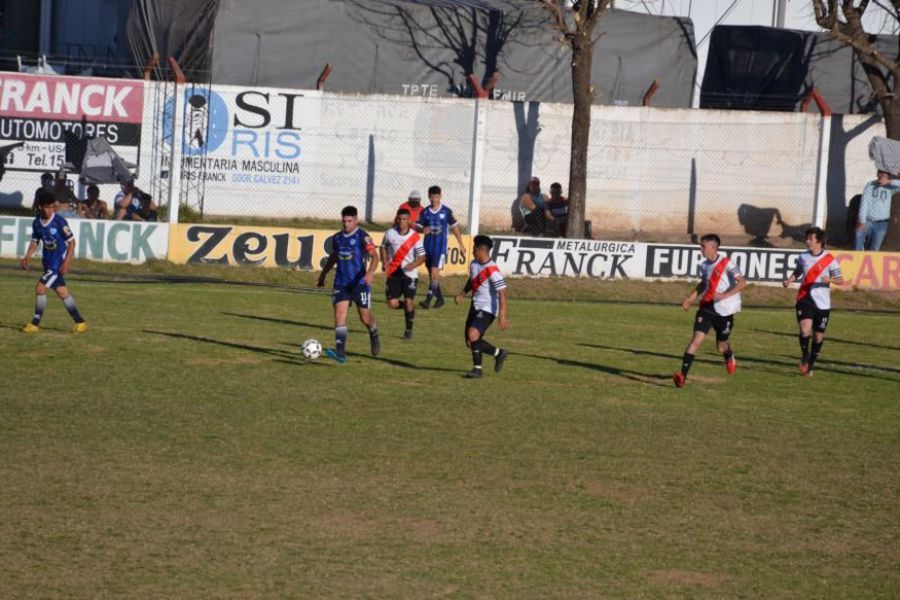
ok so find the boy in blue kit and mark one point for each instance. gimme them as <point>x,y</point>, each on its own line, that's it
<point>351,248</point>
<point>435,222</point>
<point>52,231</point>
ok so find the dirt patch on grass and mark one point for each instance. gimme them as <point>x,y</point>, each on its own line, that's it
<point>683,577</point>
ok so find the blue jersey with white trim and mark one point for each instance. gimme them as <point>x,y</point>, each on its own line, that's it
<point>439,223</point>
<point>352,251</point>
<point>54,237</point>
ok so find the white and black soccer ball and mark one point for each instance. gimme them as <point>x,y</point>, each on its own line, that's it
<point>311,349</point>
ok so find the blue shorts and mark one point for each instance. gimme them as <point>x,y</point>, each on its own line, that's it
<point>435,260</point>
<point>53,279</point>
<point>360,294</point>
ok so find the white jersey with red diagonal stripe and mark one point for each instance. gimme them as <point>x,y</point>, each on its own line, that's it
<point>487,281</point>
<point>819,291</point>
<point>394,240</point>
<point>728,280</point>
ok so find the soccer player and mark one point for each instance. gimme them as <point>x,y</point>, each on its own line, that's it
<point>816,270</point>
<point>719,289</point>
<point>52,231</point>
<point>351,248</point>
<point>436,221</point>
<point>488,301</point>
<point>402,252</point>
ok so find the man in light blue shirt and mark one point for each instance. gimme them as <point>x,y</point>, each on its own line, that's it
<point>875,211</point>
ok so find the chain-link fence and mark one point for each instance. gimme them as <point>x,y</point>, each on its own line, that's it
<point>296,157</point>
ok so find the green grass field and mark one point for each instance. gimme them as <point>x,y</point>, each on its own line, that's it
<point>184,448</point>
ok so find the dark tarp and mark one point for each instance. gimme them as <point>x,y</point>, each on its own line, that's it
<point>388,46</point>
<point>763,68</point>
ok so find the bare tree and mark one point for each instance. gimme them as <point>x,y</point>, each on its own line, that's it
<point>576,24</point>
<point>843,19</point>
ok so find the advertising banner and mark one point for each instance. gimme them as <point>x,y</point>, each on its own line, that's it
<point>107,241</point>
<point>863,270</point>
<point>38,110</point>
<point>574,258</point>
<point>282,247</point>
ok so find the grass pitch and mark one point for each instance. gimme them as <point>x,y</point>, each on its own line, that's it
<point>184,448</point>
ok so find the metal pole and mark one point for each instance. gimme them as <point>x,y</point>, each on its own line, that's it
<point>175,164</point>
<point>477,167</point>
<point>46,26</point>
<point>821,200</point>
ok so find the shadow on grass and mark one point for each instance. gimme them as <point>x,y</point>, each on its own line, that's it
<point>401,363</point>
<point>280,321</point>
<point>282,355</point>
<point>828,338</point>
<point>824,360</point>
<point>647,378</point>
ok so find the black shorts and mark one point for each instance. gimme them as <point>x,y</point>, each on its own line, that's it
<point>479,319</point>
<point>707,319</point>
<point>401,285</point>
<point>807,309</point>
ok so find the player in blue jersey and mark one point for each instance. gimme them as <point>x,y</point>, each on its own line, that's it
<point>436,222</point>
<point>52,232</point>
<point>351,249</point>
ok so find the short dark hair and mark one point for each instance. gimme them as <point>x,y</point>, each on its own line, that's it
<point>402,211</point>
<point>93,188</point>
<point>349,211</point>
<point>818,232</point>
<point>435,189</point>
<point>46,176</point>
<point>556,186</point>
<point>45,197</point>
<point>711,237</point>
<point>483,241</point>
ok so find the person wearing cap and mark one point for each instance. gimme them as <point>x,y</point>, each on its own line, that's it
<point>533,205</point>
<point>875,211</point>
<point>414,205</point>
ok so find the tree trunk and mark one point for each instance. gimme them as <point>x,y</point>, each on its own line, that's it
<point>582,54</point>
<point>891,109</point>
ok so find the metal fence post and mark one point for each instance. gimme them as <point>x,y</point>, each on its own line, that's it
<point>478,135</point>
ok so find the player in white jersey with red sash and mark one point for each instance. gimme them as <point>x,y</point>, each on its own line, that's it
<point>816,270</point>
<point>721,282</point>
<point>488,301</point>
<point>402,252</point>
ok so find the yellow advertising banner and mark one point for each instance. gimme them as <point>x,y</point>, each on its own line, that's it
<point>869,270</point>
<point>274,247</point>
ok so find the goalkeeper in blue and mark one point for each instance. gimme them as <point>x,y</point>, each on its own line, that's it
<point>52,233</point>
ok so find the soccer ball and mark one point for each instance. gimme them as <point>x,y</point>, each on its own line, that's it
<point>311,349</point>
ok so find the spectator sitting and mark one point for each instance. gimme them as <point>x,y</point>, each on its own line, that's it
<point>66,200</point>
<point>93,207</point>
<point>46,184</point>
<point>147,209</point>
<point>557,211</point>
<point>533,206</point>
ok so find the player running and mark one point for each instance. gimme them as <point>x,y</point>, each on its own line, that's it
<point>488,301</point>
<point>350,249</point>
<point>402,253</point>
<point>721,282</point>
<point>435,222</point>
<point>52,231</point>
<point>816,270</point>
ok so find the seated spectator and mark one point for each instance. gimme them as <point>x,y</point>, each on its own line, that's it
<point>147,209</point>
<point>533,205</point>
<point>93,207</point>
<point>133,204</point>
<point>46,184</point>
<point>557,211</point>
<point>66,200</point>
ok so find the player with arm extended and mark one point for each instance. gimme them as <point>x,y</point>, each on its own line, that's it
<point>816,270</point>
<point>488,302</point>
<point>52,232</point>
<point>402,253</point>
<point>351,249</point>
<point>719,289</point>
<point>436,222</point>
